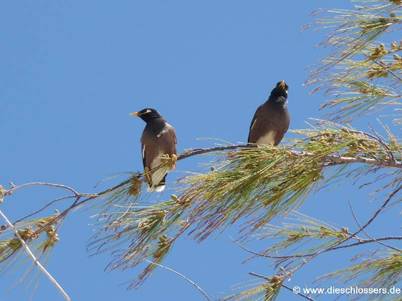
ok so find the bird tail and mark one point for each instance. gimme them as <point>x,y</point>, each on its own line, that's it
<point>158,187</point>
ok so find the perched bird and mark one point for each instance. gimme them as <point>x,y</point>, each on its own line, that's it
<point>271,120</point>
<point>158,145</point>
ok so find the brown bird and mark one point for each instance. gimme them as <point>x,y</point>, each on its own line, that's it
<point>271,120</point>
<point>158,148</point>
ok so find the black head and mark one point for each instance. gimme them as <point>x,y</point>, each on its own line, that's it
<point>280,92</point>
<point>147,114</point>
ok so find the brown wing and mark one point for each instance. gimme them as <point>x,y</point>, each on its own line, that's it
<point>162,143</point>
<point>283,126</point>
<point>258,125</point>
<point>278,136</point>
<point>153,148</point>
<point>168,140</point>
<point>252,131</point>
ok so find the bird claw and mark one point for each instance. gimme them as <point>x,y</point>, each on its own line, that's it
<point>169,161</point>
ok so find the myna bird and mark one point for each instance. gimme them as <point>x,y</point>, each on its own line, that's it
<point>271,120</point>
<point>158,145</point>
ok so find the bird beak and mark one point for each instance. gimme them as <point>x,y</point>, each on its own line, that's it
<point>282,84</point>
<point>136,114</point>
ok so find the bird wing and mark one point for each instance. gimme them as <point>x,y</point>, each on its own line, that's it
<point>269,125</point>
<point>282,132</point>
<point>164,142</point>
<point>168,138</point>
<point>278,136</point>
<point>254,125</point>
<point>143,154</point>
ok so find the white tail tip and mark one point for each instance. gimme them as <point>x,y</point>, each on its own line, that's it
<point>157,188</point>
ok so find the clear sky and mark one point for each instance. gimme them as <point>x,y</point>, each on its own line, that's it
<point>70,73</point>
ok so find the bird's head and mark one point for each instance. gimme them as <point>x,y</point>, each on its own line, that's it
<point>280,92</point>
<point>147,114</point>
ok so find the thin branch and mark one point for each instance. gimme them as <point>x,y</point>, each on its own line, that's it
<point>194,284</point>
<point>382,64</point>
<point>283,285</point>
<point>330,160</point>
<point>379,210</point>
<point>35,260</point>
<point>201,151</point>
<point>366,233</point>
<point>357,243</point>
<point>336,245</point>
<point>378,139</point>
<point>374,240</point>
<point>54,185</point>
<point>43,208</point>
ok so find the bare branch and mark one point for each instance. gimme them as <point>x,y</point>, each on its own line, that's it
<point>379,210</point>
<point>54,185</point>
<point>366,233</point>
<point>194,284</point>
<point>357,243</point>
<point>44,208</point>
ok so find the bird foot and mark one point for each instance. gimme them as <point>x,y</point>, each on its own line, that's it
<point>170,161</point>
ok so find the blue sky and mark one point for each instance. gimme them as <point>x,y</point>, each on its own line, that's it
<point>70,73</point>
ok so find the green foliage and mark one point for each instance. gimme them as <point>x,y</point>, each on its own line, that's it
<point>245,182</point>
<point>143,230</point>
<point>267,291</point>
<point>41,231</point>
<point>382,272</point>
<point>256,183</point>
<point>300,234</point>
<point>361,74</point>
<point>267,181</point>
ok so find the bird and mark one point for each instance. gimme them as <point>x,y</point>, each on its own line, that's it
<point>158,148</point>
<point>271,120</point>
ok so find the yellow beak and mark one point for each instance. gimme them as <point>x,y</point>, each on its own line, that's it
<point>282,84</point>
<point>136,114</point>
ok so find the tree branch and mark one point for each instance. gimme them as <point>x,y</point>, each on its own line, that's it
<point>83,198</point>
<point>330,160</point>
<point>366,233</point>
<point>337,245</point>
<point>357,243</point>
<point>194,284</point>
<point>379,210</point>
<point>54,185</point>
